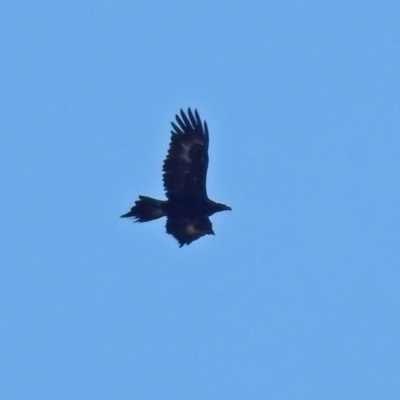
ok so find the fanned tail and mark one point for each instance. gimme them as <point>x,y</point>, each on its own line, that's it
<point>146,209</point>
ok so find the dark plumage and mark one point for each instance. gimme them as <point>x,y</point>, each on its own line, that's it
<point>187,207</point>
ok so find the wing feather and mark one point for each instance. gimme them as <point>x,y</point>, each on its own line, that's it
<point>180,122</point>
<point>177,130</point>
<point>193,121</point>
<point>185,118</point>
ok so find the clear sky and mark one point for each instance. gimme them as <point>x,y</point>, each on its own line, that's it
<point>298,294</point>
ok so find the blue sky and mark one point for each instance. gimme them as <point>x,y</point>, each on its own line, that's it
<point>296,297</point>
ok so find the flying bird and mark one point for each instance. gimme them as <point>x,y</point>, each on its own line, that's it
<point>187,207</point>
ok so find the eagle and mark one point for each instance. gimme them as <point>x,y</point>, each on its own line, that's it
<point>187,207</point>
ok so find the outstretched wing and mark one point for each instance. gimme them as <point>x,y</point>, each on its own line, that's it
<point>186,230</point>
<point>185,167</point>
